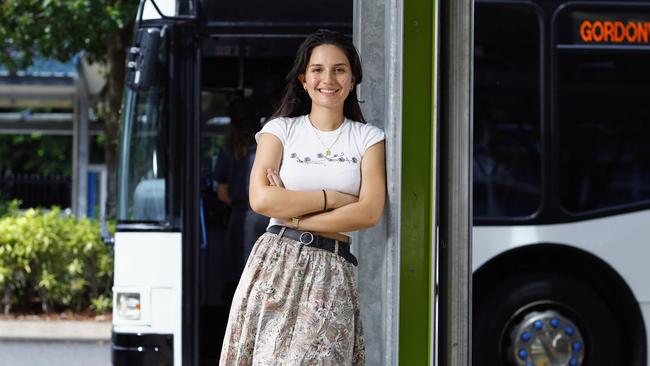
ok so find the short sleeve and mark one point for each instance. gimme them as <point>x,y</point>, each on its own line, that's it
<point>277,127</point>
<point>371,136</point>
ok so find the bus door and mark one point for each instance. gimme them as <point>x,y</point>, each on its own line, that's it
<point>241,77</point>
<point>243,63</point>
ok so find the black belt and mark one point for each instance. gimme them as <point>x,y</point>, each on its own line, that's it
<point>306,238</point>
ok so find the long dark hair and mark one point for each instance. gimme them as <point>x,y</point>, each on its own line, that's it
<point>295,100</point>
<point>244,122</point>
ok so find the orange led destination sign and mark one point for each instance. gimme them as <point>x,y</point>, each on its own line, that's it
<point>614,32</point>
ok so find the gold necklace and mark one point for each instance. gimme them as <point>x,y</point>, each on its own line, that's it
<point>328,149</point>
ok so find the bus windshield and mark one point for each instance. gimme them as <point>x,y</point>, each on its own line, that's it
<point>143,159</point>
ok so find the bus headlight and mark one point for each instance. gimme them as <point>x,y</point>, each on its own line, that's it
<point>128,305</point>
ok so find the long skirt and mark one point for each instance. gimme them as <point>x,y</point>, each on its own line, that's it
<point>294,305</point>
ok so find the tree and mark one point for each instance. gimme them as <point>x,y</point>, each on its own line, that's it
<point>61,29</point>
<point>35,154</point>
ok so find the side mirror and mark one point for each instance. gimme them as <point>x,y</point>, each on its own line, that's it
<point>142,59</point>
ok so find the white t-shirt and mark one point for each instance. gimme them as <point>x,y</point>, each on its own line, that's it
<point>305,165</point>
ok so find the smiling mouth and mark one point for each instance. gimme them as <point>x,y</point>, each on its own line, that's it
<point>328,91</point>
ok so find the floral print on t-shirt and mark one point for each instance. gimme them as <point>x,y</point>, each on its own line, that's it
<point>322,159</point>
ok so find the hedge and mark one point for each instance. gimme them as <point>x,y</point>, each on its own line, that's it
<point>51,257</point>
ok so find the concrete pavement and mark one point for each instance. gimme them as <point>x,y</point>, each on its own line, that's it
<point>55,330</point>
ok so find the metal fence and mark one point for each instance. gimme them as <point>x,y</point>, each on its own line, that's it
<point>37,190</point>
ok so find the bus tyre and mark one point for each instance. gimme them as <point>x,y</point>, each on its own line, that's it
<point>544,319</point>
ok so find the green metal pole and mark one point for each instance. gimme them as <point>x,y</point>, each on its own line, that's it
<point>417,186</point>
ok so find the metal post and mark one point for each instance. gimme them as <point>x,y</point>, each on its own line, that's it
<point>456,45</point>
<point>370,247</point>
<point>80,145</point>
<point>393,129</point>
<point>377,35</point>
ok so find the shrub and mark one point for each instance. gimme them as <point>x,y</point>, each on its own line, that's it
<point>8,208</point>
<point>56,256</point>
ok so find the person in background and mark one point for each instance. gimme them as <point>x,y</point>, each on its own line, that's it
<point>233,168</point>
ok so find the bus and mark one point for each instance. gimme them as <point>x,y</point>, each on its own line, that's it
<point>561,183</point>
<point>178,243</point>
<point>559,171</point>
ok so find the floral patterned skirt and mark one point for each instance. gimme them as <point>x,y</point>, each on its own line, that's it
<point>294,305</point>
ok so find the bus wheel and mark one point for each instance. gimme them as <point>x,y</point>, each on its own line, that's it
<point>544,319</point>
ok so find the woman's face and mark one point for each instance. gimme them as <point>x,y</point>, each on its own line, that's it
<point>328,78</point>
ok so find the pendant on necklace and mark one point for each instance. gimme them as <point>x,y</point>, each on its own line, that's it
<point>328,152</point>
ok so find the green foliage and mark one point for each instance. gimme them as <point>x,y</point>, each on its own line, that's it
<point>44,154</point>
<point>9,208</point>
<point>36,153</point>
<point>101,304</point>
<point>59,28</point>
<point>97,144</point>
<point>57,256</point>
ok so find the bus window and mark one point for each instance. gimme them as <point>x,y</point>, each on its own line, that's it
<point>602,87</point>
<point>143,159</point>
<point>602,118</point>
<point>507,144</point>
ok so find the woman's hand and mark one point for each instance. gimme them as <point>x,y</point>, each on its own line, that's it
<point>337,199</point>
<point>334,199</point>
<point>365,212</point>
<point>267,194</point>
<point>274,178</point>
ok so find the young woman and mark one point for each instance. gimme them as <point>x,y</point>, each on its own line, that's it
<point>319,173</point>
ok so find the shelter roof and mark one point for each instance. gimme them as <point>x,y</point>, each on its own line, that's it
<point>43,67</point>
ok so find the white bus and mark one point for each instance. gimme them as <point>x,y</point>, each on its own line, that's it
<point>561,177</point>
<point>561,242</point>
<point>179,247</point>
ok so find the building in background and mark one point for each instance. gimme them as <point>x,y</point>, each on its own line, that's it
<point>51,142</point>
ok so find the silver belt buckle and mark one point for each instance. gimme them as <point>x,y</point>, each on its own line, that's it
<point>306,237</point>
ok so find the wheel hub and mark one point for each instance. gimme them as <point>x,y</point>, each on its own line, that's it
<point>547,339</point>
